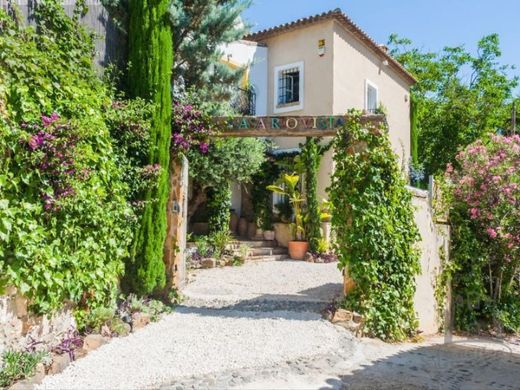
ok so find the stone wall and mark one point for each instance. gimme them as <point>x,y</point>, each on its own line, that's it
<point>19,328</point>
<point>433,246</point>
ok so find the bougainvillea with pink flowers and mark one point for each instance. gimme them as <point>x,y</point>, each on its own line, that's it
<point>191,128</point>
<point>484,186</point>
<point>52,149</point>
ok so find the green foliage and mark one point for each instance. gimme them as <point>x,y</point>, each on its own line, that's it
<point>261,196</point>
<point>129,123</point>
<point>373,221</point>
<point>219,240</point>
<point>63,215</point>
<point>227,159</point>
<point>236,159</point>
<point>151,58</point>
<point>310,158</point>
<point>18,365</point>
<point>287,185</point>
<point>198,63</point>
<point>219,205</point>
<point>450,108</point>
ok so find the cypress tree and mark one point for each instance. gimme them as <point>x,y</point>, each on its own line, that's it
<point>151,61</point>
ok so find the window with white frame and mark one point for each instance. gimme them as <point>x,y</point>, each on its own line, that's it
<point>288,87</point>
<point>371,97</point>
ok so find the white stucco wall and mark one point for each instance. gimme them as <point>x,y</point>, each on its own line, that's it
<point>245,53</point>
<point>434,239</point>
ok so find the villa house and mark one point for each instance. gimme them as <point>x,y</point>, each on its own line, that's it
<point>323,65</point>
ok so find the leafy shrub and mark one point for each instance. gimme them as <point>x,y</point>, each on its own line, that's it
<point>373,222</point>
<point>18,365</point>
<point>63,215</point>
<point>220,240</point>
<point>484,191</point>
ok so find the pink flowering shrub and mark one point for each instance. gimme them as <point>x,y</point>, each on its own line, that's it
<point>52,148</point>
<point>488,182</point>
<point>191,129</point>
<point>485,214</point>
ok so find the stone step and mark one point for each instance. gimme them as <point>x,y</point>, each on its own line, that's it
<point>254,259</point>
<point>267,251</point>
<point>252,244</point>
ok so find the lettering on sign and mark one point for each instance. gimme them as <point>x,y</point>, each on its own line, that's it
<point>285,126</point>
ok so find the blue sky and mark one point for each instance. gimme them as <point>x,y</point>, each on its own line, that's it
<point>431,24</point>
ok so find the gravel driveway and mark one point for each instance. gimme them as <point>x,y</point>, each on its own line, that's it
<point>258,326</point>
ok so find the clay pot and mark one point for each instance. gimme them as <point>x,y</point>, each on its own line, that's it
<point>298,249</point>
<point>251,229</point>
<point>242,227</point>
<point>200,228</point>
<point>259,234</point>
<point>269,235</point>
<point>233,222</point>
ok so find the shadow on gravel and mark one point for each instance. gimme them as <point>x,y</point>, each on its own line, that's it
<point>312,301</point>
<point>448,366</point>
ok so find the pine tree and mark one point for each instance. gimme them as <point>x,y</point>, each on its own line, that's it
<point>200,29</point>
<point>151,58</point>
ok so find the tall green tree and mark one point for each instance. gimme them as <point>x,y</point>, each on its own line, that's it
<point>459,98</point>
<point>228,159</point>
<point>200,29</point>
<point>151,59</point>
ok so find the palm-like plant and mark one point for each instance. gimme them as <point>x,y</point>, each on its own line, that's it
<point>288,186</point>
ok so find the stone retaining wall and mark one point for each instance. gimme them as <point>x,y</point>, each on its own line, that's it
<point>19,328</point>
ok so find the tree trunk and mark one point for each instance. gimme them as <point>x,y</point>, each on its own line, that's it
<point>199,197</point>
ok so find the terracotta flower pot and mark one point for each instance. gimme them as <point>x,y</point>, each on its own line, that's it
<point>242,227</point>
<point>269,235</point>
<point>298,249</point>
<point>251,230</point>
<point>233,222</point>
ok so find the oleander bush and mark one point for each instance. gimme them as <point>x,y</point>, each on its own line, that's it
<point>483,191</point>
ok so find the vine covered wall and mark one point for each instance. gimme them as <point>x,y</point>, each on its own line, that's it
<point>63,214</point>
<point>373,220</point>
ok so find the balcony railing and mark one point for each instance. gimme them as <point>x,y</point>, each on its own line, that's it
<point>244,101</point>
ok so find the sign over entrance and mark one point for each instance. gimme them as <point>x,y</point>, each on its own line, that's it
<point>287,126</point>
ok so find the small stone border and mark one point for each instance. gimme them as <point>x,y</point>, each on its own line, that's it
<point>91,342</point>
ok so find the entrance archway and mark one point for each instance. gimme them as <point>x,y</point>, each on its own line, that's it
<point>237,126</point>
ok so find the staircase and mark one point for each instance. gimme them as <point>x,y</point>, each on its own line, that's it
<point>260,250</point>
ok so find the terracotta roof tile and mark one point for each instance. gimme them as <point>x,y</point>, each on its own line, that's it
<point>347,23</point>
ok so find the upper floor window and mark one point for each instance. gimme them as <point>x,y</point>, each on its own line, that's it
<point>288,88</point>
<point>371,97</point>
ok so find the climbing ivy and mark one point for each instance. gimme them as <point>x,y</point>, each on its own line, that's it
<point>63,215</point>
<point>219,205</point>
<point>373,221</point>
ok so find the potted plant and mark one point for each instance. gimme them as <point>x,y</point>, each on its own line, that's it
<point>298,246</point>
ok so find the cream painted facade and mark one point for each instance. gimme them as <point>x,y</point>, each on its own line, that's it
<point>334,80</point>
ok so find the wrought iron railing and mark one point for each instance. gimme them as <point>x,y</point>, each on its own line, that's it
<point>244,101</point>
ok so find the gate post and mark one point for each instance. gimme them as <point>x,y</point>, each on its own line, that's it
<point>177,221</point>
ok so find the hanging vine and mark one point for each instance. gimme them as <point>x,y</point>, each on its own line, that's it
<point>373,220</point>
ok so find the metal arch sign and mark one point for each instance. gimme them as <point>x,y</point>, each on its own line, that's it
<point>286,126</point>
